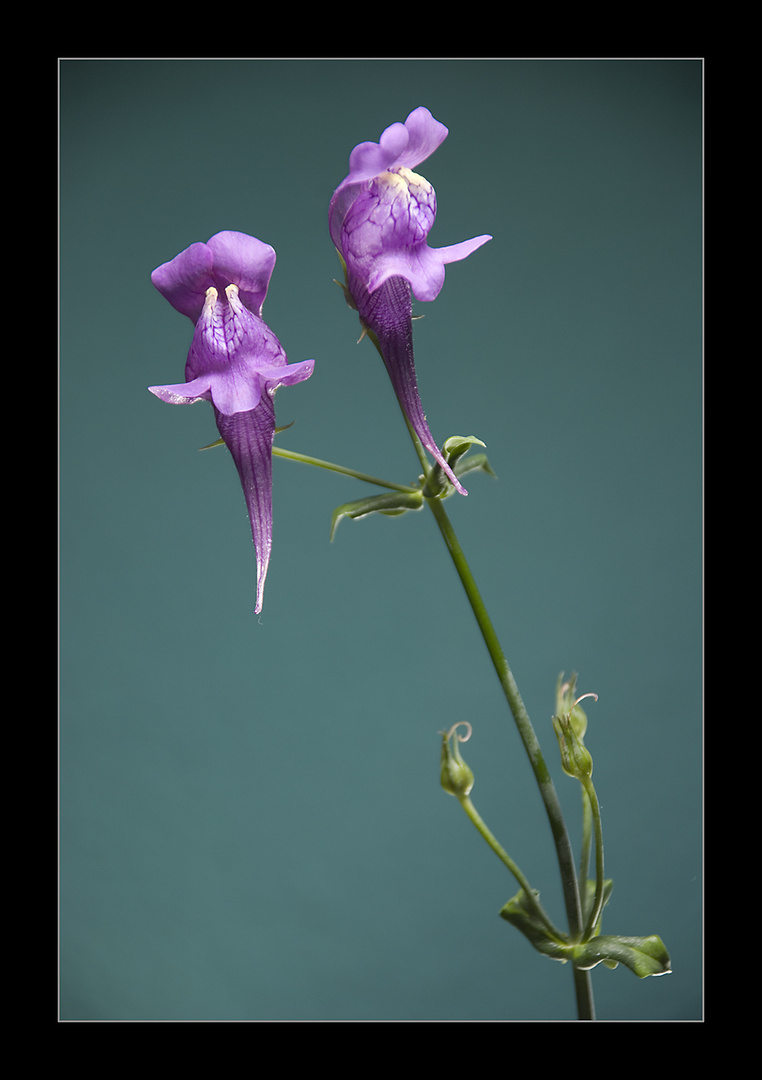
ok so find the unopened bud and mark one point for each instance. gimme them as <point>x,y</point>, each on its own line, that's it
<point>576,759</point>
<point>456,777</point>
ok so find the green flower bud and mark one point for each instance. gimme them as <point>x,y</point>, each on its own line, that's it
<point>576,759</point>
<point>570,725</point>
<point>456,777</point>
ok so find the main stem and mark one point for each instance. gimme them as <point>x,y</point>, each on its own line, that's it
<point>582,981</point>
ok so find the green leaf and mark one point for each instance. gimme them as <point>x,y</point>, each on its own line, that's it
<point>456,447</point>
<point>391,505</point>
<point>472,464</point>
<point>642,955</point>
<point>520,913</point>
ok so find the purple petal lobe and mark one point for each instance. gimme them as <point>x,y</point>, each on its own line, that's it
<point>186,393</point>
<point>401,145</point>
<point>369,159</point>
<point>425,135</point>
<point>184,281</point>
<point>246,262</point>
<point>229,258</point>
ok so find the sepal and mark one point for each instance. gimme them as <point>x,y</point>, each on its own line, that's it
<point>568,702</point>
<point>399,502</point>
<point>343,285</point>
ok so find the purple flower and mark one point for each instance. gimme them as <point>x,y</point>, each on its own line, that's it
<point>379,219</point>
<point>235,361</point>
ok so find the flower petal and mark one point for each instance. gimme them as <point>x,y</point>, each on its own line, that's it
<point>229,258</point>
<point>278,375</point>
<point>401,145</point>
<point>425,134</point>
<point>369,159</point>
<point>246,262</point>
<point>184,393</point>
<point>422,266</point>
<point>185,279</point>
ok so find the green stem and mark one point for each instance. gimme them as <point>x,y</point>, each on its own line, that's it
<point>502,854</point>
<point>292,455</point>
<point>582,982</point>
<point>587,834</point>
<point>597,907</point>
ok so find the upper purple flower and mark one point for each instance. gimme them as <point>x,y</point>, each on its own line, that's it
<point>235,361</point>
<point>381,213</point>
<point>379,219</point>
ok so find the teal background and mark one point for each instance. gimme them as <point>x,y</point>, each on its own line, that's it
<point>252,826</point>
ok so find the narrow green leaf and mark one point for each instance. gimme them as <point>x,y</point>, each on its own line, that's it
<point>391,505</point>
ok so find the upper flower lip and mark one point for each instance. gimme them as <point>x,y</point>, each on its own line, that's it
<point>227,258</point>
<point>400,146</point>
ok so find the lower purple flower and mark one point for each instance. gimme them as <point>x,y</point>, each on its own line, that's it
<point>235,361</point>
<point>379,219</point>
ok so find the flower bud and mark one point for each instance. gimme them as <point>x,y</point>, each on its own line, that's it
<point>576,759</point>
<point>456,777</point>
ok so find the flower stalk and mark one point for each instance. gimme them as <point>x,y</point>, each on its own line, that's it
<point>305,459</point>
<point>564,854</point>
<point>600,897</point>
<point>457,780</point>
